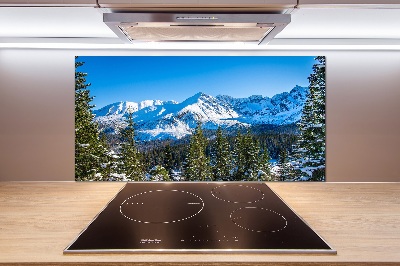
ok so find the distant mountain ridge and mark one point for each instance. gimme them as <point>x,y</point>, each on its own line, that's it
<point>157,119</point>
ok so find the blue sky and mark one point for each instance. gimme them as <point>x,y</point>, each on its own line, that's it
<point>138,78</point>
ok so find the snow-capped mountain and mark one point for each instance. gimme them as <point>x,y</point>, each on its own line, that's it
<point>157,119</point>
<point>281,109</point>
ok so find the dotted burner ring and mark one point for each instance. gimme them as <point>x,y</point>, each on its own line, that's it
<point>161,206</point>
<point>258,219</point>
<point>237,194</point>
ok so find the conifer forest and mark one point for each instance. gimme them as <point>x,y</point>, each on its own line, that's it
<point>203,138</point>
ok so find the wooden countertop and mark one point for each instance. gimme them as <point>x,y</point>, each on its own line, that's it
<point>360,220</point>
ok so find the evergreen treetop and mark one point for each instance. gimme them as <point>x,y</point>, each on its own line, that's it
<point>197,163</point>
<point>90,150</point>
<point>131,160</point>
<point>310,148</point>
<point>221,158</point>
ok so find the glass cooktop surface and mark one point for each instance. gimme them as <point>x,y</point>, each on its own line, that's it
<point>173,217</point>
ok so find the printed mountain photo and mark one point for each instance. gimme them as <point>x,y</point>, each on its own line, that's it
<point>192,118</point>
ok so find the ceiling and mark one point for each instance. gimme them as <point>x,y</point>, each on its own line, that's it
<point>309,26</point>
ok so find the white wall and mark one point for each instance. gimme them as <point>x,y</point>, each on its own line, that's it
<point>37,112</point>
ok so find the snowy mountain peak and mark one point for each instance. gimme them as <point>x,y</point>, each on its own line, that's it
<point>200,96</point>
<point>300,91</point>
<point>116,108</point>
<point>158,119</point>
<point>121,108</point>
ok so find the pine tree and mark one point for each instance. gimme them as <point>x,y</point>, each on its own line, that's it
<point>221,159</point>
<point>264,166</point>
<point>90,150</point>
<point>282,161</point>
<point>286,169</point>
<point>159,173</point>
<point>246,153</point>
<point>109,166</point>
<point>197,164</point>
<point>251,154</point>
<point>131,160</point>
<point>238,157</point>
<point>310,148</point>
<point>112,167</point>
<point>168,160</point>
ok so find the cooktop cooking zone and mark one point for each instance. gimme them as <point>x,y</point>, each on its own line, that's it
<point>173,217</point>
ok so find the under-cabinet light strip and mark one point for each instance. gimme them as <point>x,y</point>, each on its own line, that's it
<point>198,46</point>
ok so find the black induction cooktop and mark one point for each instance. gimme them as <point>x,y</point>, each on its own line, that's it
<point>200,217</point>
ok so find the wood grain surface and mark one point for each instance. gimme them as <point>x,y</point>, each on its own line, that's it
<point>360,220</point>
